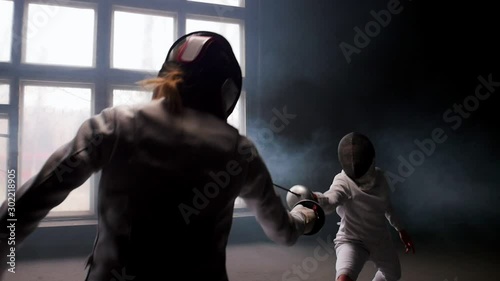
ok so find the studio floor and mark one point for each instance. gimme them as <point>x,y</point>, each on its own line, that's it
<point>267,262</point>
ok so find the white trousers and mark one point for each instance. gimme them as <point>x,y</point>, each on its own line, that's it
<point>352,256</point>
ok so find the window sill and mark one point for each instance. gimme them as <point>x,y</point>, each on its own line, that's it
<point>62,223</point>
<point>243,213</point>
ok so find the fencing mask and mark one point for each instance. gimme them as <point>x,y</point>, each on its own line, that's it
<point>356,155</point>
<point>212,78</point>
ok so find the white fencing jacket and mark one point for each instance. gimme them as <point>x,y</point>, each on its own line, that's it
<point>364,210</point>
<point>166,193</point>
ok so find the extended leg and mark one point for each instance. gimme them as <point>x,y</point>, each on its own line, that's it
<point>344,278</point>
<point>351,258</point>
<point>386,260</point>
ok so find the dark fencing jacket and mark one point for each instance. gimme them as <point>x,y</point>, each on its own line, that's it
<point>167,187</point>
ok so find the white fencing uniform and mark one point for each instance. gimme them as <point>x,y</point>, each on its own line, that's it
<point>364,234</point>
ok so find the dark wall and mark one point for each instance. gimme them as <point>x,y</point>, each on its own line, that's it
<point>396,88</point>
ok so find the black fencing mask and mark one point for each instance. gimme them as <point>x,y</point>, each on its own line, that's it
<point>356,154</point>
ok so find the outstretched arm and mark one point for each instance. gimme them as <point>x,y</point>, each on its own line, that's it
<point>67,168</point>
<point>335,196</point>
<point>403,234</point>
<point>393,218</point>
<point>258,193</point>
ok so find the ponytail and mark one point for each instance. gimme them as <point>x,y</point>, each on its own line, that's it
<point>166,86</point>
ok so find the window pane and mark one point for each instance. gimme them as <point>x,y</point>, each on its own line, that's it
<point>232,32</point>
<point>4,94</point>
<point>4,130</point>
<point>236,3</point>
<point>3,167</point>
<point>4,126</point>
<point>239,203</point>
<point>60,35</point>
<point>51,117</point>
<point>6,15</point>
<point>141,42</point>
<point>237,118</point>
<point>131,97</point>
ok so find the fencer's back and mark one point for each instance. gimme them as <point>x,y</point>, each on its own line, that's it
<point>166,196</point>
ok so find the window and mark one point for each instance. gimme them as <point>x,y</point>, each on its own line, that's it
<point>4,93</point>
<point>6,17</point>
<point>60,35</point>
<point>66,60</point>
<point>4,140</point>
<point>145,49</point>
<point>236,3</point>
<point>65,109</point>
<point>237,118</point>
<point>4,134</point>
<point>130,97</point>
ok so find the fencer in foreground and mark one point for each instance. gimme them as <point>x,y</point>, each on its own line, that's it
<point>360,194</point>
<point>170,173</point>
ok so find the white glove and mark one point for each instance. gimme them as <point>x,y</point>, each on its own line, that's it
<point>305,215</point>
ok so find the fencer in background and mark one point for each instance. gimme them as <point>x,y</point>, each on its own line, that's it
<point>360,194</point>
<point>170,173</point>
